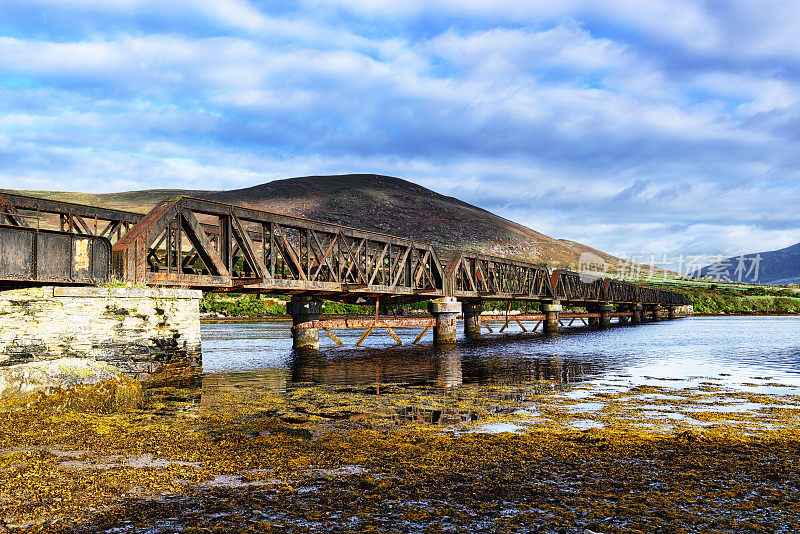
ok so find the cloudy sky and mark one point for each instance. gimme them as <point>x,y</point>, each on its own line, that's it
<point>658,127</point>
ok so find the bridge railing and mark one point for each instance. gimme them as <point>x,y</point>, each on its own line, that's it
<point>472,275</point>
<point>570,286</point>
<point>202,243</point>
<point>620,291</point>
<point>648,295</point>
<point>672,298</point>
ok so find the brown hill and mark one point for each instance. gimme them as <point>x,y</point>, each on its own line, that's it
<point>373,202</point>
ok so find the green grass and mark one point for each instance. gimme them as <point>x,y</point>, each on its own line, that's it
<point>722,285</point>
<point>234,305</point>
<point>714,302</point>
<point>115,283</point>
<point>714,297</point>
<point>243,305</point>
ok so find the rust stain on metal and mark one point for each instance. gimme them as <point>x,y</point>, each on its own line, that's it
<point>360,322</point>
<point>34,256</point>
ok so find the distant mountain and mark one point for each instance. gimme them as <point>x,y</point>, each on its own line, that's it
<point>374,202</point>
<point>774,267</point>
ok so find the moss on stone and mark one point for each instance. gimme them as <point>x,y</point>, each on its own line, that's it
<point>75,384</point>
<point>116,395</point>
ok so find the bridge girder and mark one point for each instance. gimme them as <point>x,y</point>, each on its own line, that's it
<point>191,242</point>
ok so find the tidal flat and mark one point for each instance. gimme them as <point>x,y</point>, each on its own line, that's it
<point>686,426</point>
<point>529,457</point>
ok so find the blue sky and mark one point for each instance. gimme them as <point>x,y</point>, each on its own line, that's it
<point>659,127</point>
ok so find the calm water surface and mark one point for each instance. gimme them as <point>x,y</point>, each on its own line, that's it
<point>745,353</point>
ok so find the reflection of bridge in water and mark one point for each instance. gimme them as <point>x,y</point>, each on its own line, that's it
<point>195,243</point>
<point>380,372</point>
<point>444,366</point>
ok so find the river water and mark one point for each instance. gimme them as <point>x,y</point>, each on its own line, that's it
<point>758,354</point>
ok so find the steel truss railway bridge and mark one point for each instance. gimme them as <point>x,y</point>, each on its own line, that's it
<point>195,243</point>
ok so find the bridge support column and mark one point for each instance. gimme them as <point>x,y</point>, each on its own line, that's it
<point>551,311</point>
<point>304,310</point>
<point>592,321</point>
<point>654,314</point>
<point>472,316</point>
<point>636,314</point>
<point>445,310</point>
<point>605,315</point>
<point>623,319</point>
<point>671,312</point>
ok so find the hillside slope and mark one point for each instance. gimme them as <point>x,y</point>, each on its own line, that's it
<point>373,202</point>
<point>775,267</point>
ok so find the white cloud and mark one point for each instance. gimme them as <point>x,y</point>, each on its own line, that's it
<point>684,21</point>
<point>511,51</point>
<point>629,126</point>
<point>236,13</point>
<point>758,94</point>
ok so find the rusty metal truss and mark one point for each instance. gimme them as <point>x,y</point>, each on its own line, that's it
<point>620,291</point>
<point>567,285</point>
<point>190,242</point>
<point>671,298</point>
<point>206,244</point>
<point>46,241</point>
<point>41,213</point>
<point>472,275</point>
<point>570,286</point>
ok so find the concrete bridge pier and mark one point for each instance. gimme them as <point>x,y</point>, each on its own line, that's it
<point>636,314</point>
<point>671,312</point>
<point>304,310</point>
<point>606,310</point>
<point>551,311</point>
<point>445,311</point>
<point>472,315</point>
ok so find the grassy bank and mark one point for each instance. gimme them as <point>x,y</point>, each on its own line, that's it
<point>713,299</point>
<point>237,305</point>
<point>240,305</point>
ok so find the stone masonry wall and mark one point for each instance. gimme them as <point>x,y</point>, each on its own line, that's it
<point>142,331</point>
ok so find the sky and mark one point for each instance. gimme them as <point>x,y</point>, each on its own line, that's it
<point>640,128</point>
